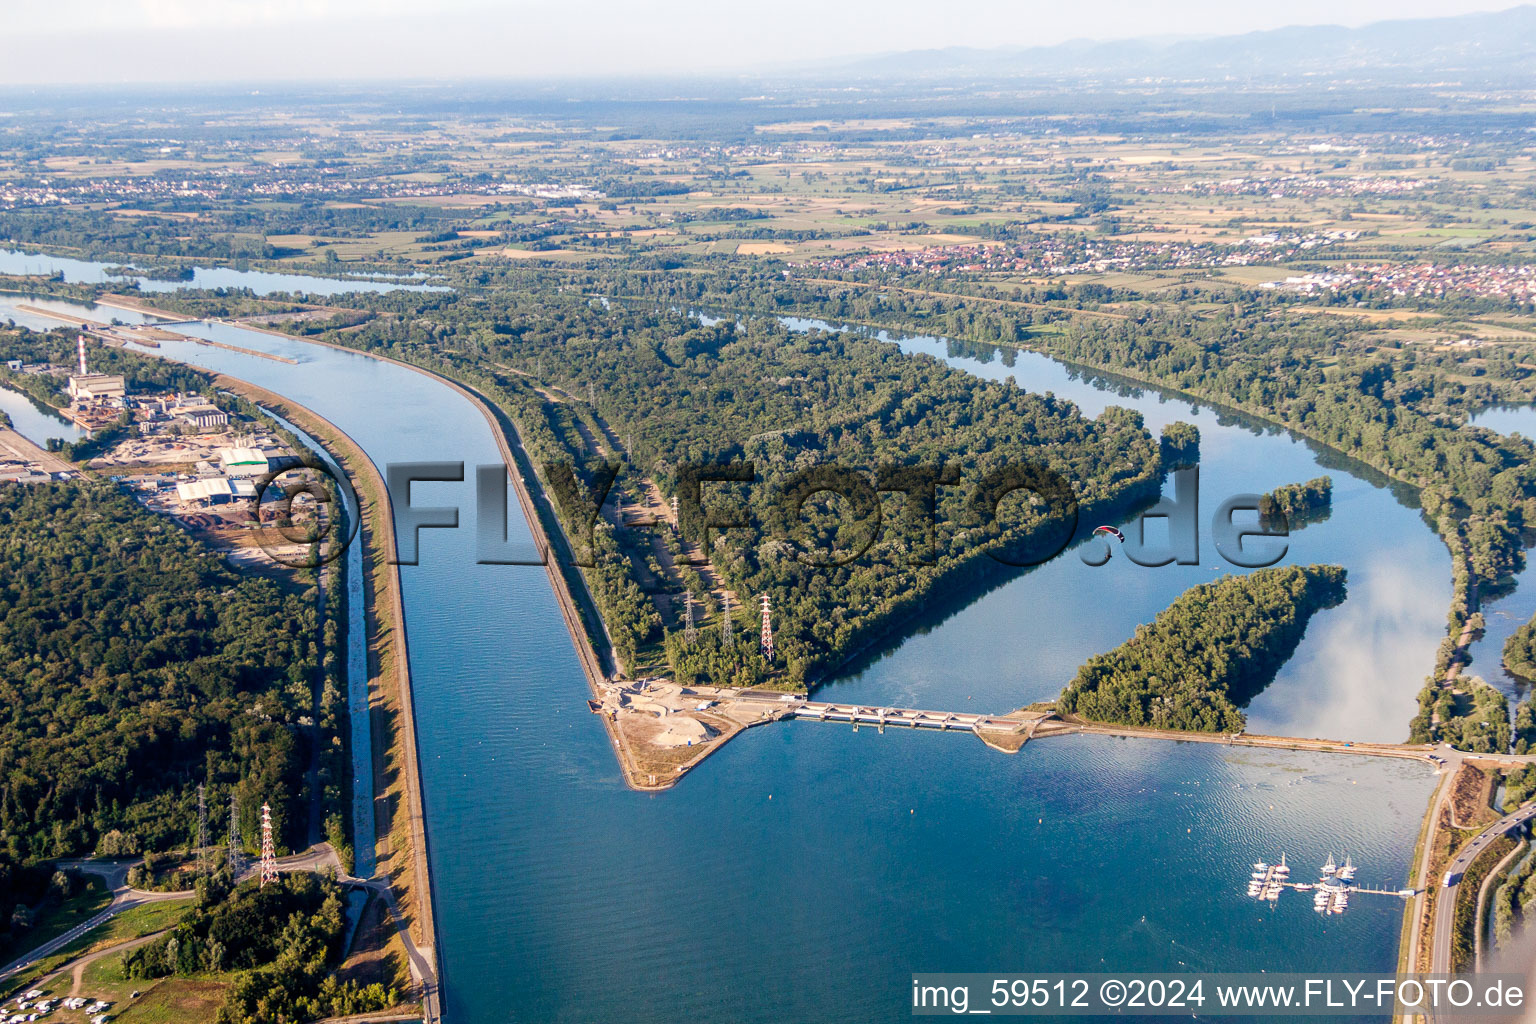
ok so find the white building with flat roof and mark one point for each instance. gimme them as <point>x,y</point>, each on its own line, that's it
<point>97,387</point>
<point>246,462</point>
<point>202,415</point>
<point>216,490</point>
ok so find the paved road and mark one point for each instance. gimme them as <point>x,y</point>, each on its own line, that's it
<point>123,898</point>
<point>1445,902</point>
<point>320,857</point>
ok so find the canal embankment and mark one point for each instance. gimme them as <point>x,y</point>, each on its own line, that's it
<point>401,850</point>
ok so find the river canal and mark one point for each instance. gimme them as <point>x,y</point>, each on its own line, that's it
<point>806,870</point>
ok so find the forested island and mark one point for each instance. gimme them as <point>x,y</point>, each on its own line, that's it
<point>1206,655</point>
<point>1520,651</point>
<point>1297,502</point>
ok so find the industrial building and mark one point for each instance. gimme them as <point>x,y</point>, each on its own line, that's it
<point>193,410</point>
<point>203,416</point>
<point>242,462</point>
<point>216,490</point>
<point>97,387</point>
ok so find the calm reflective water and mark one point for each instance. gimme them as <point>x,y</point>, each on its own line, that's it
<point>1355,674</point>
<point>260,281</point>
<point>10,309</point>
<point>1511,607</point>
<point>32,422</point>
<point>804,871</point>
<point>1507,419</point>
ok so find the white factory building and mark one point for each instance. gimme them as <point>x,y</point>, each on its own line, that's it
<point>97,387</point>
<point>216,490</point>
<point>242,462</point>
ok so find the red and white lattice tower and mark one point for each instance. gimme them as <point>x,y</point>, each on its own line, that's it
<point>268,853</point>
<point>767,641</point>
<point>80,347</point>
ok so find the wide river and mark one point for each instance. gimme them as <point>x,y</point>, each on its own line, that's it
<point>805,871</point>
<point>262,282</point>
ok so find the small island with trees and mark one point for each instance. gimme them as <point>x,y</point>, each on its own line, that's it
<point>1298,503</point>
<point>1207,654</point>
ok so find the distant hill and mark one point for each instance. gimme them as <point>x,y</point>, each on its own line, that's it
<point>1471,47</point>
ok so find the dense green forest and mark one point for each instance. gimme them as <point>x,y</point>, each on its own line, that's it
<point>1520,651</point>
<point>1207,654</point>
<point>134,664</point>
<point>283,940</point>
<point>1398,408</point>
<point>659,391</point>
<point>1391,407</point>
<point>1297,501</point>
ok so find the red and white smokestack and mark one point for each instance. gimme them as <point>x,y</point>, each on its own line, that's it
<point>82,354</point>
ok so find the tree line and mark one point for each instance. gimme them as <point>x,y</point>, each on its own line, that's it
<point>678,392</point>
<point>281,940</point>
<point>1206,655</point>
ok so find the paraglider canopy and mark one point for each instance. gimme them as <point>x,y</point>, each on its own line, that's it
<point>1111,531</point>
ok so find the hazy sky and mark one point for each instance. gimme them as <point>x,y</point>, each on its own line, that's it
<point>252,40</point>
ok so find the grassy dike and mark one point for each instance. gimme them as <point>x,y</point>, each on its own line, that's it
<point>400,826</point>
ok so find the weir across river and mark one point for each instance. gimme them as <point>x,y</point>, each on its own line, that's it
<point>1007,732</point>
<point>864,714</point>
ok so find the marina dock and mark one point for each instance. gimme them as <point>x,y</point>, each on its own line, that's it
<point>1330,893</point>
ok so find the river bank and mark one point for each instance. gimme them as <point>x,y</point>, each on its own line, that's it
<point>542,855</point>
<point>642,768</point>
<point>401,853</point>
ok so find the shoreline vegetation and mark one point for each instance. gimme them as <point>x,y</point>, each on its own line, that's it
<point>1207,654</point>
<point>1480,524</point>
<point>1298,504</point>
<point>1520,653</point>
